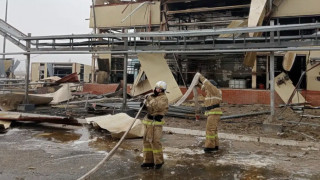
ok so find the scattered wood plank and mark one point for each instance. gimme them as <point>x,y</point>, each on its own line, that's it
<point>310,116</point>
<point>17,116</point>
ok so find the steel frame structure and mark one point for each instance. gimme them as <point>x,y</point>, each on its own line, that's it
<point>177,42</point>
<point>199,41</point>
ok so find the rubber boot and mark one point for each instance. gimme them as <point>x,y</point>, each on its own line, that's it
<point>209,150</point>
<point>147,165</point>
<point>158,166</point>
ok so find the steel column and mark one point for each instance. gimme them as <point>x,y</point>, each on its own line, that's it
<point>272,84</point>
<point>2,66</point>
<point>26,100</point>
<point>125,74</point>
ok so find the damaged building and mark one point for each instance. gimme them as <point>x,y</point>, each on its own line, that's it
<point>261,121</point>
<point>44,70</point>
<point>240,70</point>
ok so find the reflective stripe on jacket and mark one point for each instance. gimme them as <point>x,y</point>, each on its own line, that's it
<point>150,122</point>
<point>212,112</point>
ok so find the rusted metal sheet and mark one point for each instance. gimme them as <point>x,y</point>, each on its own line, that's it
<point>70,78</point>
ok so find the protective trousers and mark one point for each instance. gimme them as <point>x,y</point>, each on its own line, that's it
<point>152,147</point>
<point>212,139</point>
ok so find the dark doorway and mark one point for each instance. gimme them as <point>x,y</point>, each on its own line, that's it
<point>294,74</point>
<point>298,67</point>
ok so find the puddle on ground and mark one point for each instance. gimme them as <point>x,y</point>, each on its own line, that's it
<point>128,167</point>
<point>59,137</point>
<point>102,144</point>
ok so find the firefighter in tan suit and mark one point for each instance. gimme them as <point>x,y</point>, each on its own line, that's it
<point>213,111</point>
<point>157,107</point>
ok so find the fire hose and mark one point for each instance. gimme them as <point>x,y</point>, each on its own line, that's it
<point>111,153</point>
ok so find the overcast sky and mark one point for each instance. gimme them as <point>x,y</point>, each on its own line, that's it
<point>47,17</point>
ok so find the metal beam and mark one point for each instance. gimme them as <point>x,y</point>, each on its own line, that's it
<point>206,32</point>
<point>7,28</point>
<point>2,65</point>
<point>175,51</point>
<point>14,41</point>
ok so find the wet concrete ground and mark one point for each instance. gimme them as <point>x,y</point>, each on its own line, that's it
<point>35,151</point>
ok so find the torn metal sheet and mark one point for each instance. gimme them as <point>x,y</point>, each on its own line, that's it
<point>156,69</point>
<point>61,95</point>
<point>118,124</point>
<point>4,125</point>
<point>140,85</point>
<point>288,60</point>
<point>10,101</point>
<point>51,79</point>
<point>17,116</point>
<point>69,78</point>
<point>287,8</point>
<point>112,15</point>
<point>284,88</point>
<point>313,75</point>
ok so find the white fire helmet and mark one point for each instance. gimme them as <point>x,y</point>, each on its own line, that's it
<point>161,85</point>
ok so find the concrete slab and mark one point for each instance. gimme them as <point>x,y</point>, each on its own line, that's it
<point>272,128</point>
<point>245,138</point>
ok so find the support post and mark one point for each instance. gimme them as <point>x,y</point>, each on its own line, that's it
<point>269,124</point>
<point>125,70</point>
<point>2,66</point>
<point>26,106</point>
<point>272,88</point>
<point>272,106</point>
<point>93,62</point>
<point>93,69</point>
<point>26,98</point>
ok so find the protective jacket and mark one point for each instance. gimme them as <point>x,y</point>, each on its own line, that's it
<point>213,111</point>
<point>213,96</point>
<point>157,107</point>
